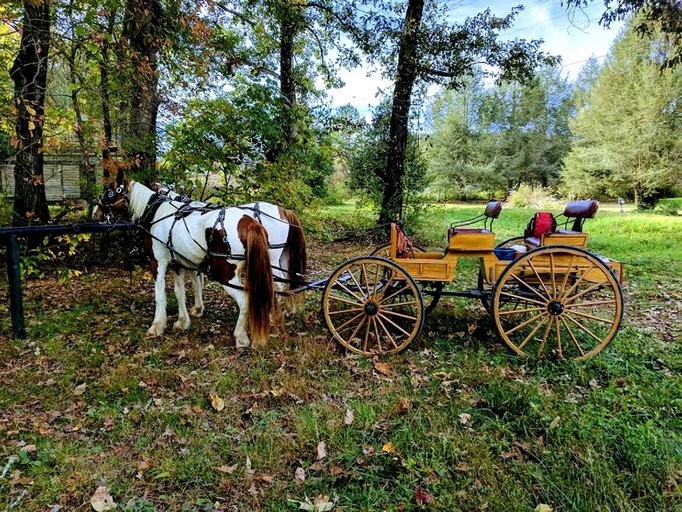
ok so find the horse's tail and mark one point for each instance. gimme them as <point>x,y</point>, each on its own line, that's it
<point>295,250</point>
<point>259,283</point>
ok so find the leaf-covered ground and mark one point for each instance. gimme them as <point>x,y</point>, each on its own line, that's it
<point>456,422</point>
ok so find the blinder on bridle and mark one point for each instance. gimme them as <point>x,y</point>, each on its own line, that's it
<point>110,200</point>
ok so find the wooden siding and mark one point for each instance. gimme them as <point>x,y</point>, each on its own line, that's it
<point>62,180</point>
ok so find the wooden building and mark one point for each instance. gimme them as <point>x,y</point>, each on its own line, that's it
<point>62,178</point>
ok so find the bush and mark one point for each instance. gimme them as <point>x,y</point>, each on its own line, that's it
<point>529,196</point>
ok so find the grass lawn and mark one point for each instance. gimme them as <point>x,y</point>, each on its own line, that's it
<point>456,422</point>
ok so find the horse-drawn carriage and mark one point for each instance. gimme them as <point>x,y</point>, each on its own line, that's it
<point>547,294</point>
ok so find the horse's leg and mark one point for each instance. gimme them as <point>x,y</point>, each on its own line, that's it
<point>183,320</point>
<point>159,323</point>
<point>240,335</point>
<point>198,287</point>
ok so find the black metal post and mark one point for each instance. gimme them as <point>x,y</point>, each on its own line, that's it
<point>15,298</point>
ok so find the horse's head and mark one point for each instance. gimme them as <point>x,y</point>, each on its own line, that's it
<point>114,200</point>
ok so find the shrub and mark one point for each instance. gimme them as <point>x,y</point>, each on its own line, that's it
<point>526,196</point>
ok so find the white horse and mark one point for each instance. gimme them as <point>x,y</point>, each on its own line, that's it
<point>226,243</point>
<point>286,245</point>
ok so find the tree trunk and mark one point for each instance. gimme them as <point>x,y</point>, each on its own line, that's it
<point>286,76</point>
<point>29,74</point>
<point>392,200</point>
<point>106,108</point>
<point>143,26</point>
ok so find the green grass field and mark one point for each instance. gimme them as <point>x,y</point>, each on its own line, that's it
<point>456,422</point>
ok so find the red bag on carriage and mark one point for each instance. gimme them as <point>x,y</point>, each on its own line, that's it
<point>542,223</point>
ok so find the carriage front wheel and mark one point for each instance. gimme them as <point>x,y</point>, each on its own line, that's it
<point>372,306</point>
<point>557,301</point>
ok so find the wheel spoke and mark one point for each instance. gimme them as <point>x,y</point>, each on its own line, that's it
<point>355,331</point>
<point>597,318</point>
<point>541,348</point>
<point>524,299</point>
<point>573,338</point>
<point>342,311</point>
<point>514,311</point>
<point>376,334</point>
<point>532,267</point>
<point>583,293</point>
<point>394,313</point>
<point>394,324</point>
<point>345,300</point>
<point>390,337</point>
<point>530,288</point>
<point>365,344</point>
<point>577,283</point>
<point>592,303</point>
<point>582,327</point>
<point>345,288</point>
<point>364,295</point>
<point>396,304</point>
<point>522,325</point>
<point>568,273</point>
<point>341,327</point>
<point>532,333</point>
<point>384,299</point>
<point>558,338</point>
<point>376,280</point>
<point>552,271</point>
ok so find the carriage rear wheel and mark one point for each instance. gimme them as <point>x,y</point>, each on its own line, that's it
<point>372,306</point>
<point>557,301</point>
<point>431,290</point>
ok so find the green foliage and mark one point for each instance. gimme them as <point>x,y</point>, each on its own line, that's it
<point>629,127</point>
<point>491,140</point>
<point>528,196</point>
<point>368,175</point>
<point>52,252</point>
<point>231,148</point>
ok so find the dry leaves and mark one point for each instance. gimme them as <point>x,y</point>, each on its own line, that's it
<point>216,402</point>
<point>464,418</point>
<point>102,501</point>
<point>421,497</point>
<point>299,475</point>
<point>80,389</point>
<point>384,369</point>
<point>321,450</point>
<point>349,417</point>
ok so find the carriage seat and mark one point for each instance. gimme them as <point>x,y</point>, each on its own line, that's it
<point>576,212</point>
<point>475,239</point>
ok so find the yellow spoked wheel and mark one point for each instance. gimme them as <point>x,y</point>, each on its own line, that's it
<point>372,306</point>
<point>430,289</point>
<point>557,301</point>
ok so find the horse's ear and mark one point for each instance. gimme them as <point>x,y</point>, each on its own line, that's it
<point>120,177</point>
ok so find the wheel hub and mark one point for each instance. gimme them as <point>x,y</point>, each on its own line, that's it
<point>555,308</point>
<point>371,309</point>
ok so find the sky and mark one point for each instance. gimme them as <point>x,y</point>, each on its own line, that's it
<point>574,35</point>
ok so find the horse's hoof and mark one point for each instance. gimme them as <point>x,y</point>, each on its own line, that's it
<point>197,312</point>
<point>154,331</point>
<point>179,325</point>
<point>243,343</point>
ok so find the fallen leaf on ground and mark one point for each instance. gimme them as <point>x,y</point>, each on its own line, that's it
<point>321,450</point>
<point>384,369</point>
<point>388,448</point>
<point>299,475</point>
<point>216,402</point>
<point>80,389</point>
<point>421,497</point>
<point>464,418</point>
<point>102,501</point>
<point>228,470</point>
<point>349,417</point>
<point>543,508</point>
